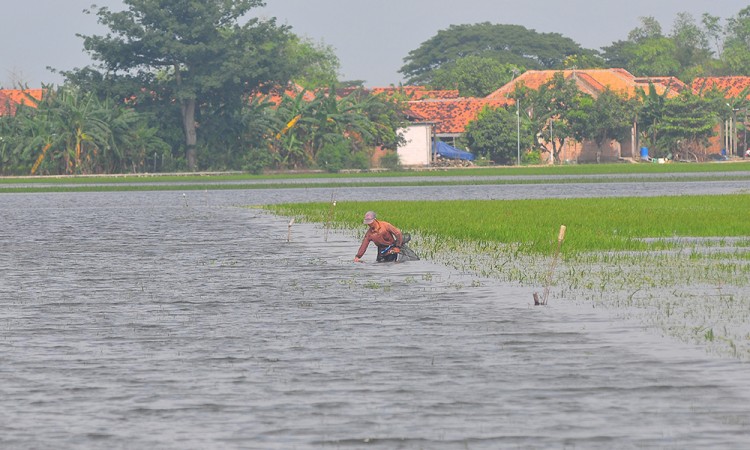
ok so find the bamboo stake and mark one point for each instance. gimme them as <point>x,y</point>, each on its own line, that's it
<point>560,239</point>
<point>330,215</point>
<point>289,231</point>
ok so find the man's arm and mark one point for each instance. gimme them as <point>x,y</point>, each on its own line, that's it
<point>398,235</point>
<point>362,247</point>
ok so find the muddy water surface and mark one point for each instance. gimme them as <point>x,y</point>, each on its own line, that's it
<point>163,320</point>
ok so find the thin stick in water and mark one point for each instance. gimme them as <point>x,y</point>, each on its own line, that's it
<point>330,215</point>
<point>289,231</point>
<point>560,239</point>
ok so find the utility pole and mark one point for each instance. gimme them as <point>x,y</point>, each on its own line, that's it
<point>518,130</point>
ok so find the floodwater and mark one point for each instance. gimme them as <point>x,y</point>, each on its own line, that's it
<point>165,320</point>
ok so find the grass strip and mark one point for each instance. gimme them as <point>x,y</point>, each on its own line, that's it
<point>582,169</point>
<point>213,184</point>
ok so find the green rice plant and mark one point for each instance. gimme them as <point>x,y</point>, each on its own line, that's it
<point>530,226</point>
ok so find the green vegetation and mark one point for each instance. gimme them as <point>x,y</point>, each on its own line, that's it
<point>546,170</point>
<point>70,131</point>
<point>474,76</point>
<point>652,173</point>
<point>594,225</point>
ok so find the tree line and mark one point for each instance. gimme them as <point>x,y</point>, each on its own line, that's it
<point>201,85</point>
<point>477,59</point>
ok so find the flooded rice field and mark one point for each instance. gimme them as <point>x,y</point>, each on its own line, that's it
<point>170,320</point>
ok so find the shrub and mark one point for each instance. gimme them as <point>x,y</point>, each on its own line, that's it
<point>533,157</point>
<point>256,160</point>
<point>358,160</point>
<point>391,161</point>
<point>332,156</point>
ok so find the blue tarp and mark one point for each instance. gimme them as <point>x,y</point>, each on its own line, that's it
<point>446,151</point>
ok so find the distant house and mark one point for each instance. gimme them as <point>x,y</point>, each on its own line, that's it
<point>448,114</point>
<point>433,114</point>
<point>10,99</point>
<point>417,151</point>
<point>422,130</point>
<point>727,138</point>
<point>593,82</point>
<point>451,116</point>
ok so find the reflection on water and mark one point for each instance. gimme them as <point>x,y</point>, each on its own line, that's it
<point>153,320</point>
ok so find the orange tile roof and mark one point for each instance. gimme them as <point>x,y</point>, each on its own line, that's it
<point>418,92</point>
<point>594,81</point>
<point>4,104</point>
<point>11,98</point>
<point>19,96</point>
<point>452,115</point>
<point>411,92</point>
<point>292,90</point>
<point>732,86</point>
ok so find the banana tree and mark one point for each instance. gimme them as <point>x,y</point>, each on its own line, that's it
<point>289,126</point>
<point>69,132</point>
<point>70,126</point>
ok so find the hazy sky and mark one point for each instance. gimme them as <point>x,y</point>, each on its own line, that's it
<point>371,38</point>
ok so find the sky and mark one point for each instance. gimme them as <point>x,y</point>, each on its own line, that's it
<point>371,38</point>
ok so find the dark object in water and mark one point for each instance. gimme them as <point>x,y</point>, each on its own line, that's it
<point>404,253</point>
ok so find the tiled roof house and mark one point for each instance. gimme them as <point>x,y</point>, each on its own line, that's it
<point>416,93</point>
<point>732,87</point>
<point>11,98</point>
<point>450,116</point>
<point>595,81</point>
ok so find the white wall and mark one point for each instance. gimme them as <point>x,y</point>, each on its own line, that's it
<point>417,150</point>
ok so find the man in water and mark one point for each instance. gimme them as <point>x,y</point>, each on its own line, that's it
<point>387,238</point>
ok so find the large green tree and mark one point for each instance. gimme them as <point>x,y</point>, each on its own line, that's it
<point>736,54</point>
<point>691,49</point>
<point>553,110</point>
<point>609,116</point>
<point>318,63</point>
<point>474,76</point>
<point>507,44</point>
<point>679,125</point>
<point>646,52</point>
<point>499,134</point>
<point>192,53</point>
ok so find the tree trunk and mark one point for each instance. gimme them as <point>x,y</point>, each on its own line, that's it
<point>188,122</point>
